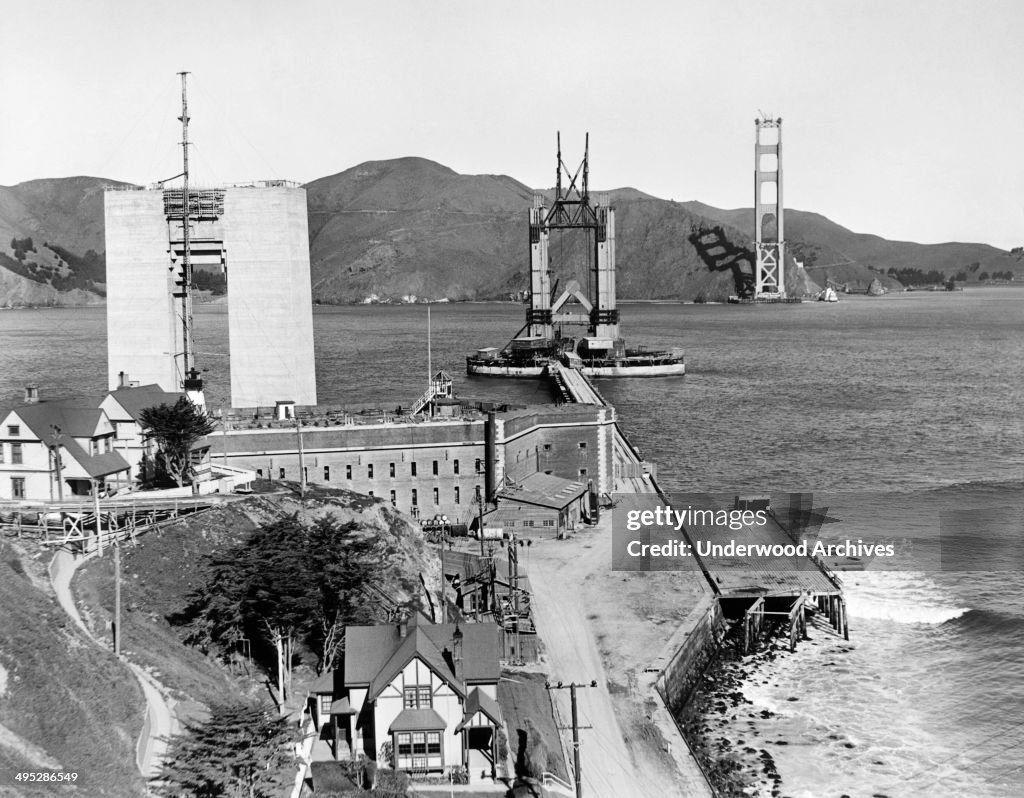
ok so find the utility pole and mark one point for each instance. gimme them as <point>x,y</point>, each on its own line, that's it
<point>117,598</point>
<point>96,510</point>
<point>58,465</point>
<point>480,519</point>
<point>572,686</point>
<point>302,459</point>
<point>223,434</point>
<point>444,610</point>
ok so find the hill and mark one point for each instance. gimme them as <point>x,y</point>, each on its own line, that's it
<point>64,703</point>
<point>385,230</point>
<point>831,251</point>
<point>51,242</point>
<point>388,229</point>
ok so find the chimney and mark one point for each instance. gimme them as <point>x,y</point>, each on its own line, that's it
<point>403,626</point>
<point>122,380</point>
<point>31,394</point>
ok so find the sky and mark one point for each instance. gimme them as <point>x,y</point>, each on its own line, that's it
<point>900,118</point>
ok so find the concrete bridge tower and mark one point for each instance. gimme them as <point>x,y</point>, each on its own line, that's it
<point>538,317</point>
<point>769,240</point>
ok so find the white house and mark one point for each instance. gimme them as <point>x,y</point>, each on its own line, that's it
<point>58,449</point>
<point>123,407</point>
<point>430,690</point>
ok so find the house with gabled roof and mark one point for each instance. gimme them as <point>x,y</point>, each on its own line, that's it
<point>123,407</point>
<point>428,692</point>
<point>59,448</point>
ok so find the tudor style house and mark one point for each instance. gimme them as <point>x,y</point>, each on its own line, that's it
<point>428,690</point>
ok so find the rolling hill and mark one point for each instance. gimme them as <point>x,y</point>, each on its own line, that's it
<point>830,251</point>
<point>390,229</point>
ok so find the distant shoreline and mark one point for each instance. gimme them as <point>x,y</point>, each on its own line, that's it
<point>222,300</point>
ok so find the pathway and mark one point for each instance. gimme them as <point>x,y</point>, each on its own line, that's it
<point>160,722</point>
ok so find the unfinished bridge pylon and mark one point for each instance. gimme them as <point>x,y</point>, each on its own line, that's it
<point>572,210</point>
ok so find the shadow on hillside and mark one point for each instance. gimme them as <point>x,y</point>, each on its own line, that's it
<point>719,255</point>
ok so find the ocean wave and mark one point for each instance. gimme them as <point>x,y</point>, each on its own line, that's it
<point>905,614</point>
<point>991,622</point>
<point>900,597</point>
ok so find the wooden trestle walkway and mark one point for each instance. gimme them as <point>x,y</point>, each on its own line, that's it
<point>78,526</point>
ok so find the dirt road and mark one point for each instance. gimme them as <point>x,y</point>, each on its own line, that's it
<point>605,626</point>
<point>161,720</point>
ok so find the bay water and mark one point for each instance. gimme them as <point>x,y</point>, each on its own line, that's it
<point>902,415</point>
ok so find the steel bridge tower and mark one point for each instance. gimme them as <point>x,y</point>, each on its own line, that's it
<point>769,239</point>
<point>572,209</point>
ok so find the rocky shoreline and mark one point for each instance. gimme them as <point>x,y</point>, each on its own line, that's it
<point>735,761</point>
<point>731,735</point>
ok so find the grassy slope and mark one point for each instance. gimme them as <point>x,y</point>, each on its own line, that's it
<point>166,566</point>
<point>67,704</point>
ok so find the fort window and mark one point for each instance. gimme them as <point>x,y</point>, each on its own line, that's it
<point>16,453</point>
<point>1,452</point>
<point>369,470</point>
<point>456,495</point>
<point>548,522</point>
<point>437,497</point>
<point>13,430</point>
<point>435,468</point>
<point>259,473</point>
<point>477,468</point>
<point>394,499</point>
<point>327,473</point>
<point>412,467</point>
<point>414,497</point>
<point>455,466</point>
<point>348,472</point>
<point>369,493</point>
<point>17,487</point>
<point>391,470</point>
<point>280,473</point>
<point>583,444</point>
<point>583,472</point>
<point>547,447</point>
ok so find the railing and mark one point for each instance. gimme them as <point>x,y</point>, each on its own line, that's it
<point>551,780</point>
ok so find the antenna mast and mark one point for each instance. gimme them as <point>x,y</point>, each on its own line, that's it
<point>187,354</point>
<point>192,382</point>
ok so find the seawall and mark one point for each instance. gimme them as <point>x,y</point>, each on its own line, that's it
<point>688,652</point>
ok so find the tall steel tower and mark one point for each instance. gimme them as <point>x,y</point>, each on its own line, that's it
<point>769,240</point>
<point>572,209</point>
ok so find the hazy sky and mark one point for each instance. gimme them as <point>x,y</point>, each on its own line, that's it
<point>901,118</point>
